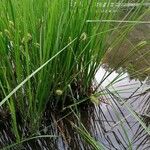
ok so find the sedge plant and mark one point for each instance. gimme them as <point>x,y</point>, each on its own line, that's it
<point>48,46</point>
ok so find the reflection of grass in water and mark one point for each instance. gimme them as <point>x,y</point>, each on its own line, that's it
<point>105,125</point>
<point>55,46</point>
<point>138,62</point>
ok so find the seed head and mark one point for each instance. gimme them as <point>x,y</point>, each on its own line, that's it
<point>8,34</point>
<point>83,36</point>
<point>59,92</point>
<point>94,99</point>
<point>27,38</point>
<point>11,24</point>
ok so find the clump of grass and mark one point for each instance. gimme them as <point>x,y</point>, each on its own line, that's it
<point>48,48</point>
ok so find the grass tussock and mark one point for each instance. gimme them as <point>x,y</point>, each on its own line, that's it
<point>49,53</point>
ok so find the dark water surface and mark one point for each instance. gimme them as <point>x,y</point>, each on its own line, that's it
<point>110,123</point>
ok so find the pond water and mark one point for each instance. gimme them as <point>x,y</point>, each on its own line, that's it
<point>137,65</point>
<point>110,122</point>
<point>120,125</point>
<point>129,90</point>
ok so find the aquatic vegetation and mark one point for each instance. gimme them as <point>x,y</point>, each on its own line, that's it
<point>50,52</point>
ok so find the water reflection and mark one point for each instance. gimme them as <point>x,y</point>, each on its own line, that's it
<point>136,58</point>
<point>110,123</point>
<point>121,128</point>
